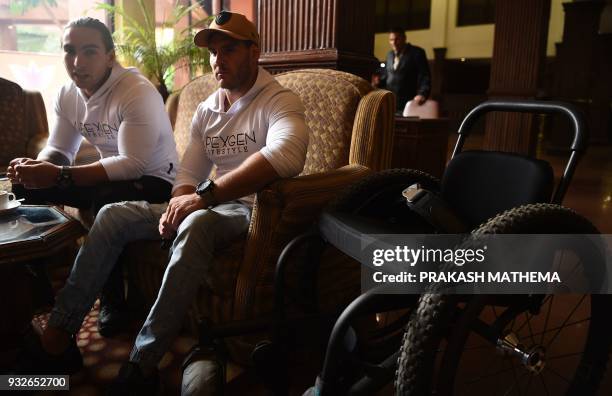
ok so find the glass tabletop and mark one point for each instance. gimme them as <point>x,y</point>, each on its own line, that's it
<point>29,222</point>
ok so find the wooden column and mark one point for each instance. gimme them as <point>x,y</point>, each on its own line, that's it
<point>582,70</point>
<point>519,49</point>
<point>336,34</point>
<point>437,77</point>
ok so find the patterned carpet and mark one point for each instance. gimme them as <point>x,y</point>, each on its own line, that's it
<point>102,357</point>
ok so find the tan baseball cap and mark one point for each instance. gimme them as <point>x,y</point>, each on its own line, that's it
<point>230,23</point>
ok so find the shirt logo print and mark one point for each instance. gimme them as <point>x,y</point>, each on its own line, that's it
<point>97,130</point>
<point>228,145</point>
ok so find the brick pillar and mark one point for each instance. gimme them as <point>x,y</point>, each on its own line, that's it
<point>519,50</point>
<point>336,34</point>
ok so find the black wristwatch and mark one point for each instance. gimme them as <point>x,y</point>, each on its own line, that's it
<point>205,191</point>
<point>64,180</point>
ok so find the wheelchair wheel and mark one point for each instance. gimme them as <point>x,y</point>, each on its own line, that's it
<point>366,335</point>
<point>379,196</point>
<point>563,340</point>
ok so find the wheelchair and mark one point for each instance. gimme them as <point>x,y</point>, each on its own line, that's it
<point>481,193</point>
<point>379,337</point>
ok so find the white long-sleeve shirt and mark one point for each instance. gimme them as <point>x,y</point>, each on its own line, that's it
<point>124,119</point>
<point>268,119</point>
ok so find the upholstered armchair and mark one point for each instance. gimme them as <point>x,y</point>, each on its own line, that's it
<point>23,122</point>
<point>351,135</point>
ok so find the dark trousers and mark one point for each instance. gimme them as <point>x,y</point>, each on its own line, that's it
<point>147,188</point>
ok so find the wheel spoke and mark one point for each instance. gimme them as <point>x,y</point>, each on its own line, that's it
<point>541,377</point>
<point>548,297</point>
<point>525,323</point>
<point>490,366</point>
<point>530,331</point>
<point>546,320</point>
<point>565,321</point>
<point>516,384</point>
<point>489,375</point>
<point>494,312</point>
<point>548,369</point>
<point>529,383</point>
<point>516,381</point>
<point>565,355</point>
<point>566,325</point>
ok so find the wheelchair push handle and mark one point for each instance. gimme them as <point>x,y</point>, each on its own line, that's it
<point>528,106</point>
<point>577,147</point>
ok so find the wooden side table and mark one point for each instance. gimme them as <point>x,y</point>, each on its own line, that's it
<point>27,235</point>
<point>420,143</point>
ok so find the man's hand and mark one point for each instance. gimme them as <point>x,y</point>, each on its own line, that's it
<point>10,170</point>
<point>419,99</point>
<point>33,173</point>
<point>178,208</point>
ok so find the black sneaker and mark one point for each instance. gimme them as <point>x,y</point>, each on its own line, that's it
<point>112,320</point>
<point>35,360</point>
<point>130,381</point>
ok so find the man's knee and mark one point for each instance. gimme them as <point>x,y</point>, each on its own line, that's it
<point>195,230</point>
<point>200,220</point>
<point>118,215</point>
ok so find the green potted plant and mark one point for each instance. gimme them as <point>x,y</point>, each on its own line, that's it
<point>137,45</point>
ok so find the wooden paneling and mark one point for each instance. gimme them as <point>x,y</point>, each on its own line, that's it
<point>582,73</point>
<point>336,34</point>
<point>420,144</point>
<point>519,49</point>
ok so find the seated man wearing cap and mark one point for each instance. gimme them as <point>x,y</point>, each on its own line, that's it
<point>266,122</point>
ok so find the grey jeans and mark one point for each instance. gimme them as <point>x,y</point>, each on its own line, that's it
<point>191,256</point>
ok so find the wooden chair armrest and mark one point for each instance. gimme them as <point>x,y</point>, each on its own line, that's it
<point>373,131</point>
<point>172,107</point>
<point>283,210</point>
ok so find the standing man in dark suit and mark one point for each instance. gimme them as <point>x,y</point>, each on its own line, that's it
<point>406,71</point>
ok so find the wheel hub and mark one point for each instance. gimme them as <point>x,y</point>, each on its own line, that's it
<point>533,358</point>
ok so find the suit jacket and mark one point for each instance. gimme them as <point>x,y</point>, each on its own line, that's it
<point>411,77</point>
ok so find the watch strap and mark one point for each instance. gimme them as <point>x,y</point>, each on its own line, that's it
<point>64,179</point>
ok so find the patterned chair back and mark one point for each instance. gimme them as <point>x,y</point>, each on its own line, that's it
<point>13,134</point>
<point>331,98</point>
<point>320,90</point>
<point>192,94</point>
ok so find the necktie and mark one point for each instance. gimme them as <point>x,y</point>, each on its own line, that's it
<point>396,60</point>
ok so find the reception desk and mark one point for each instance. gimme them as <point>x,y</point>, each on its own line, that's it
<point>421,143</point>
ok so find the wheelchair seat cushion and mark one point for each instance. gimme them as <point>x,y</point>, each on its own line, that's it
<point>480,184</point>
<point>348,231</point>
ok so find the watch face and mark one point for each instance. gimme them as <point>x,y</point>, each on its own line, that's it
<point>204,186</point>
<point>64,179</point>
